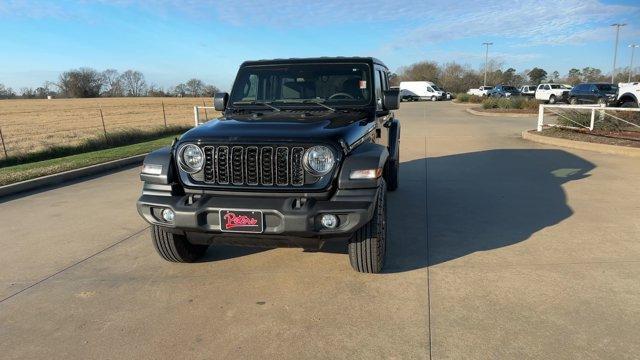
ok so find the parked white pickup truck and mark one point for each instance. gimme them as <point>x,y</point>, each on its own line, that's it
<point>628,94</point>
<point>552,93</point>
<point>481,91</point>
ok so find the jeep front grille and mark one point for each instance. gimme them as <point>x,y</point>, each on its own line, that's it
<point>254,165</point>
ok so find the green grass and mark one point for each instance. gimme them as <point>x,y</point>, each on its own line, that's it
<point>21,172</point>
<point>517,102</point>
<point>113,140</point>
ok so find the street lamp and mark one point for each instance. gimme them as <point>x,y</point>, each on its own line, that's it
<point>486,59</point>
<point>633,49</point>
<point>615,50</point>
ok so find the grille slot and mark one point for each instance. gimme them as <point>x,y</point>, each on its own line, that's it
<point>297,170</point>
<point>251,165</point>
<point>282,166</point>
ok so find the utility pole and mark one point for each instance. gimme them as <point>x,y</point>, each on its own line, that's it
<point>486,60</point>
<point>633,50</point>
<point>615,50</point>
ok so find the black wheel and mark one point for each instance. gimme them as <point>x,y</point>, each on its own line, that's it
<point>629,104</point>
<point>368,246</point>
<point>175,248</point>
<point>573,101</point>
<point>552,99</point>
<point>392,172</point>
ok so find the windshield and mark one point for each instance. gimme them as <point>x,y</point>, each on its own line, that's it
<point>509,88</point>
<point>436,87</point>
<point>553,86</point>
<point>332,84</point>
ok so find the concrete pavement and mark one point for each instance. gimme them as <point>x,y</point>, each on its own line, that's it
<point>499,248</point>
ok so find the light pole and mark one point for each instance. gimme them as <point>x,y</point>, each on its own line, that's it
<point>486,59</point>
<point>615,50</point>
<point>633,50</point>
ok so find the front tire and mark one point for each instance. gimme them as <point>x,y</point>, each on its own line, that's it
<point>552,99</point>
<point>174,247</point>
<point>629,104</point>
<point>433,98</point>
<point>573,101</point>
<point>368,246</point>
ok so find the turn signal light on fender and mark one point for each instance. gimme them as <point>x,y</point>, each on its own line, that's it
<point>365,174</point>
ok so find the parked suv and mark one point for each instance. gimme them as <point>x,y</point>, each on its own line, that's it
<point>304,153</point>
<point>503,91</point>
<point>528,90</point>
<point>600,93</point>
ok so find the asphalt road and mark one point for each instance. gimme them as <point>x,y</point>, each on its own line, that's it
<point>499,249</point>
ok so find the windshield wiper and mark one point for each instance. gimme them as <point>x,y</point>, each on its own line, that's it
<point>318,102</point>
<point>253,102</point>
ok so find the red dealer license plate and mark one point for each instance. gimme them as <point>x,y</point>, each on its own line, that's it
<point>245,221</point>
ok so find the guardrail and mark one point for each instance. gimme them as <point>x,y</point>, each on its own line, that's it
<point>600,110</point>
<point>196,114</point>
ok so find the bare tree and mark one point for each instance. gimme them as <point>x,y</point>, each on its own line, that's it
<point>112,84</point>
<point>180,90</point>
<point>195,87</point>
<point>209,91</point>
<point>27,93</point>
<point>80,83</point>
<point>133,83</point>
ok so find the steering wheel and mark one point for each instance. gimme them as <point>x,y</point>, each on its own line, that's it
<point>348,96</point>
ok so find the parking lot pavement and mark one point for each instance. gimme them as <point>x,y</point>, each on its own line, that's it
<point>499,248</point>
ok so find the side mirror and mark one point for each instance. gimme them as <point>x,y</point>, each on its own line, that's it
<point>220,101</point>
<point>391,99</point>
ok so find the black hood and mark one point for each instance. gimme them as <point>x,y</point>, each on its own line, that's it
<point>284,126</point>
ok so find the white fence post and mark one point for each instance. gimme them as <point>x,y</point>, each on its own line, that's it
<point>593,119</point>
<point>601,113</point>
<point>195,116</point>
<point>540,117</point>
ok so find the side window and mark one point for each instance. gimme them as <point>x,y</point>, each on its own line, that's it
<point>429,88</point>
<point>547,87</point>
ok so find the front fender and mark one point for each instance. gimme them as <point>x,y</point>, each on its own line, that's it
<point>161,157</point>
<point>364,157</point>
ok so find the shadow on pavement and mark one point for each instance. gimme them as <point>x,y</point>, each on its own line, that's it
<point>476,202</point>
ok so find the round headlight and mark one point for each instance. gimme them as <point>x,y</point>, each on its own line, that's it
<point>191,158</point>
<point>319,160</point>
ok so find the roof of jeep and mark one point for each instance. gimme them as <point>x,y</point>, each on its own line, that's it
<point>324,59</point>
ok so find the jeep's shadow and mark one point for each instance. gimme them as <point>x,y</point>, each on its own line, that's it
<point>476,202</point>
<point>473,202</point>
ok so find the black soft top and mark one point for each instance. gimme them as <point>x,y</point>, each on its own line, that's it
<point>324,59</point>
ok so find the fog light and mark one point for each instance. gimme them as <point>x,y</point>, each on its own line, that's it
<point>329,221</point>
<point>168,215</point>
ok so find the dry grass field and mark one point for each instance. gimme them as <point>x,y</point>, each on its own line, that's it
<point>31,125</point>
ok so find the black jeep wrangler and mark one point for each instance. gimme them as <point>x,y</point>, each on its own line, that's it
<point>304,152</point>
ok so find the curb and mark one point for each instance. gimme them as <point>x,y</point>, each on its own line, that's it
<point>58,178</point>
<point>581,145</point>
<point>490,114</point>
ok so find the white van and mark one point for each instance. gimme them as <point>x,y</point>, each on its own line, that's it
<point>420,90</point>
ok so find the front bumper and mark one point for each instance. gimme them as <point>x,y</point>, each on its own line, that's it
<point>282,216</point>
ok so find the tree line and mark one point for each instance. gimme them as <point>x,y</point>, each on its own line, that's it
<point>90,83</point>
<point>458,78</point>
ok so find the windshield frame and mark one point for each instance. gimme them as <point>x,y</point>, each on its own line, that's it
<point>283,104</point>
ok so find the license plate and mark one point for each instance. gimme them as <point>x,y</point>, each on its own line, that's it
<point>245,221</point>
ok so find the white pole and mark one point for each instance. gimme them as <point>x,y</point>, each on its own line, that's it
<point>615,51</point>
<point>486,61</point>
<point>540,117</point>
<point>633,50</point>
<point>593,119</point>
<point>195,116</point>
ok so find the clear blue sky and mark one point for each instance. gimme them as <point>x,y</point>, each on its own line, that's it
<point>172,41</point>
